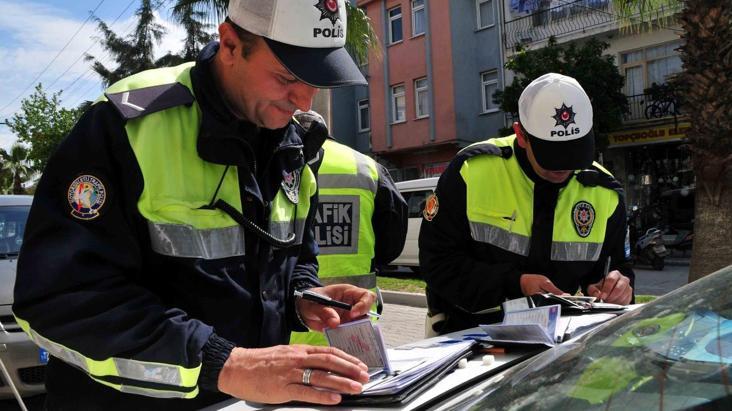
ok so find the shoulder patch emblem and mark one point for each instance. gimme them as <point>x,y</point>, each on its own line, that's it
<point>291,186</point>
<point>583,216</point>
<point>431,207</point>
<point>86,196</point>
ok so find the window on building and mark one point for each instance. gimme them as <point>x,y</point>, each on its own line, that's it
<point>486,15</point>
<point>395,25</point>
<point>364,122</point>
<point>489,85</point>
<point>398,104</point>
<point>650,65</point>
<point>421,98</point>
<point>418,17</point>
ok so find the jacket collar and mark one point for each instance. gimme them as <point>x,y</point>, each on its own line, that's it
<point>523,160</point>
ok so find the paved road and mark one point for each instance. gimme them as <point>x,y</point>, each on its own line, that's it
<point>401,324</point>
<point>660,282</point>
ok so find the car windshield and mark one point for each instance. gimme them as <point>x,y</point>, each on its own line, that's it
<point>12,226</point>
<point>673,353</point>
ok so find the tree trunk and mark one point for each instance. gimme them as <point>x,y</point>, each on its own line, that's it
<point>705,85</point>
<point>18,185</point>
<point>712,231</point>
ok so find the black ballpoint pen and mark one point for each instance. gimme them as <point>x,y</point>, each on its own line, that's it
<point>322,299</point>
<point>327,301</point>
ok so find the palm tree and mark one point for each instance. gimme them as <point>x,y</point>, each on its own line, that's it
<point>704,87</point>
<point>15,163</point>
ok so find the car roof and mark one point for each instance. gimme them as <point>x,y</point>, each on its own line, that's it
<point>15,200</point>
<point>430,183</point>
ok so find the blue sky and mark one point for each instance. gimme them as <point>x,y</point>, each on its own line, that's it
<point>32,32</point>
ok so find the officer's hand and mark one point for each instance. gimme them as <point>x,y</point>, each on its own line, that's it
<point>616,289</point>
<point>275,375</point>
<point>317,316</point>
<point>538,284</point>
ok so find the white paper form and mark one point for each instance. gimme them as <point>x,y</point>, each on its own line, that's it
<point>516,304</point>
<point>545,317</point>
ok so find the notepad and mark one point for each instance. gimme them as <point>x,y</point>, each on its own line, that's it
<point>527,326</point>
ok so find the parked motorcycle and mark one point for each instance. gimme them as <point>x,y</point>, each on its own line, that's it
<point>678,239</point>
<point>648,248</point>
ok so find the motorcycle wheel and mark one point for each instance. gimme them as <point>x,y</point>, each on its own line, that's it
<point>657,263</point>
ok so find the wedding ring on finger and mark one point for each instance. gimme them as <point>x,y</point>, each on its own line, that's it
<point>306,376</point>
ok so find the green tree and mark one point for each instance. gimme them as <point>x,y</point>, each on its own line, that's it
<point>41,124</point>
<point>597,73</point>
<point>198,34</point>
<point>15,164</point>
<point>135,53</point>
<point>704,87</point>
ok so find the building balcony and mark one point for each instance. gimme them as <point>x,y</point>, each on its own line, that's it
<point>649,107</point>
<point>572,16</point>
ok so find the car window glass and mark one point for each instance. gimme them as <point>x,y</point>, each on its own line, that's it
<point>12,227</point>
<point>674,353</point>
<point>415,202</point>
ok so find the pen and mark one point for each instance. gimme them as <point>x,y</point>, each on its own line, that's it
<point>328,302</point>
<point>322,299</point>
<point>604,275</point>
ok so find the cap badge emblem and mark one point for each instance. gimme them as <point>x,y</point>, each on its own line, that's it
<point>583,216</point>
<point>564,116</point>
<point>328,10</point>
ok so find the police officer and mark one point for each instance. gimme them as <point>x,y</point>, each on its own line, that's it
<point>361,221</point>
<point>525,214</point>
<point>173,225</point>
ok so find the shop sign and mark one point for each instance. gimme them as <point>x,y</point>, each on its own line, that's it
<point>660,134</point>
<point>434,169</point>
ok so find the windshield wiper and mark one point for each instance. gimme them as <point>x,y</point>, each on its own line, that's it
<point>4,256</point>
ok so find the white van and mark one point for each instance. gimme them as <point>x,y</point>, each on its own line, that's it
<point>415,193</point>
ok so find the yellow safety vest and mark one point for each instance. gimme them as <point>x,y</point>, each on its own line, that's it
<point>500,208</point>
<point>347,182</point>
<point>175,187</point>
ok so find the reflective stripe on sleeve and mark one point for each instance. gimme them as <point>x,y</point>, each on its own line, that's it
<point>180,240</point>
<point>133,370</point>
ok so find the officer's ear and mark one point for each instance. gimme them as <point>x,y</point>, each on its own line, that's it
<point>518,130</point>
<point>228,42</point>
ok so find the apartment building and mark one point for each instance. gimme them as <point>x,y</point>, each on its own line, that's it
<point>430,90</point>
<point>647,153</point>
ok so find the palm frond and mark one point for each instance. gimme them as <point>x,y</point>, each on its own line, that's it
<point>360,35</point>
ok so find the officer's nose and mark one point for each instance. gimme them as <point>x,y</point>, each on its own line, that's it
<point>301,95</point>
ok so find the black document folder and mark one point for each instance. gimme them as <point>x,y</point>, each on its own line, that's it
<point>405,384</point>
